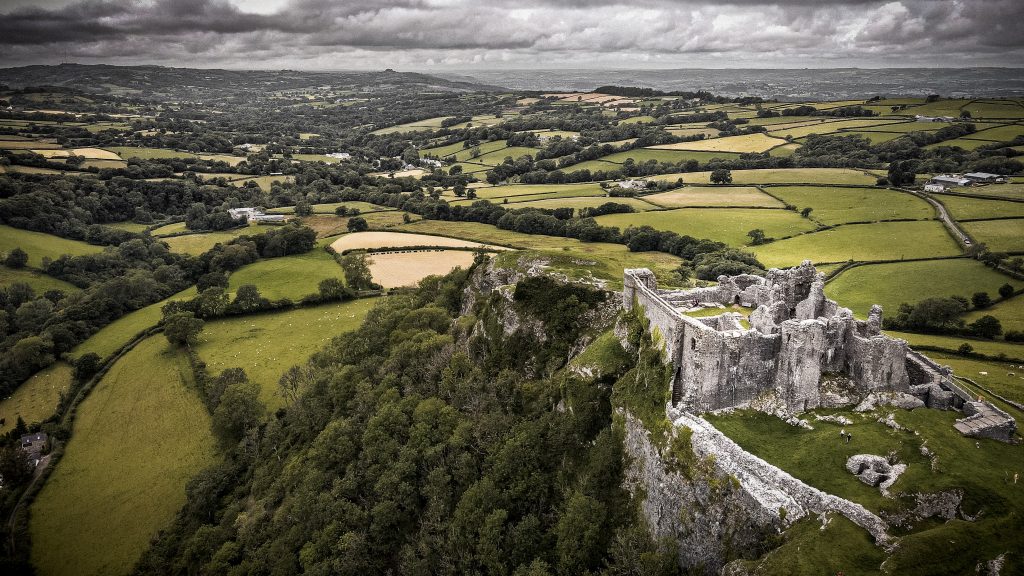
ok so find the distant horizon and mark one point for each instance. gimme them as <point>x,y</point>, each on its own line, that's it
<point>513,69</point>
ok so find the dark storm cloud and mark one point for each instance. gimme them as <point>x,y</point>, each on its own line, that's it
<point>368,33</point>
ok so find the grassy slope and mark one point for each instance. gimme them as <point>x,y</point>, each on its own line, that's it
<point>196,244</point>
<point>581,202</point>
<point>265,345</point>
<point>858,288</point>
<point>978,467</point>
<point>834,205</point>
<point>1010,312</point>
<point>119,332</point>
<point>988,347</point>
<point>36,399</point>
<point>882,241</point>
<point>37,280</point>
<point>39,245</point>
<point>729,225</point>
<point>289,276</point>
<point>138,438</point>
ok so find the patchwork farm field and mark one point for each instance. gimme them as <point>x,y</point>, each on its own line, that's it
<point>756,142</point>
<point>138,438</point>
<point>148,153</point>
<point>1012,190</point>
<point>713,196</point>
<point>835,205</point>
<point>371,240</point>
<point>998,235</point>
<point>39,245</point>
<point>729,225</point>
<point>396,269</point>
<point>861,242</point>
<point>638,204</point>
<point>604,261</point>
<point>513,191</point>
<point>37,398</point>
<point>673,156</point>
<point>266,345</point>
<point>859,287</point>
<point>780,176</point>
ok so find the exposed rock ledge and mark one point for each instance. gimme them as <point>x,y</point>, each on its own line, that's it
<point>772,487</point>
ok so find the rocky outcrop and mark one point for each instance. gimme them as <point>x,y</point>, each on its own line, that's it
<point>713,518</point>
<point>772,487</point>
<point>874,470</point>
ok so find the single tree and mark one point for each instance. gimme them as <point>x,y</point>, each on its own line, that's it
<point>987,327</point>
<point>247,299</point>
<point>16,258</point>
<point>332,289</point>
<point>806,212</point>
<point>721,176</point>
<point>357,224</point>
<point>182,328</point>
<point>357,271</point>
<point>981,300</point>
<point>1006,290</point>
<point>757,237</point>
<point>86,366</point>
<point>303,209</point>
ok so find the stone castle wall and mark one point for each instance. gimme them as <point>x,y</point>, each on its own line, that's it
<point>797,335</point>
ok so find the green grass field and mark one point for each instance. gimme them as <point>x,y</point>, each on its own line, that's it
<point>965,208</point>
<point>729,225</point>
<point>673,156</point>
<point>148,153</point>
<point>37,280</point>
<point>196,244</point>
<point>39,245</point>
<point>266,345</point>
<point>862,242</point>
<point>601,260</point>
<point>36,399</point>
<point>581,202</point>
<point>593,166</point>
<point>781,176</point>
<point>1012,190</point>
<point>498,156</point>
<point>1009,312</point>
<point>835,205</point>
<point>418,126</point>
<point>514,191</point>
<point>1003,378</point>
<point>987,347</point>
<point>893,284</point>
<point>825,128</point>
<point>713,196</point>
<point>121,331</point>
<point>288,276</point>
<point>138,438</point>
<point>999,235</point>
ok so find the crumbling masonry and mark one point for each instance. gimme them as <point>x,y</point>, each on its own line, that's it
<point>800,351</point>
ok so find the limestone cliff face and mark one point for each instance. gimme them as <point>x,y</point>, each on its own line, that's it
<point>711,518</point>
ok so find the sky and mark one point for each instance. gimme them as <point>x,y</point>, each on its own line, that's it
<point>449,35</point>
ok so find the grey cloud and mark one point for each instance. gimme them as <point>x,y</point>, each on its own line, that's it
<point>456,32</point>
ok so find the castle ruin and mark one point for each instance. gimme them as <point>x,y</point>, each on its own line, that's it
<point>798,351</point>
